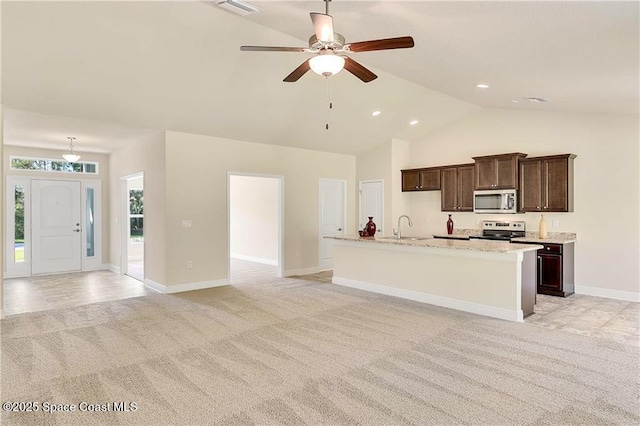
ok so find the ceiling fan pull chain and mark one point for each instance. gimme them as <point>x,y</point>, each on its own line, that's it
<point>330,105</point>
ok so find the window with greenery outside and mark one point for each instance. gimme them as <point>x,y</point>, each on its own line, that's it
<point>19,224</point>
<point>136,215</point>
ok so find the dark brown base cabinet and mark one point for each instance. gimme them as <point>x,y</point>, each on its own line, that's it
<point>555,270</point>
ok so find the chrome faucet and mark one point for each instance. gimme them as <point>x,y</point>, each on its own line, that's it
<point>398,234</point>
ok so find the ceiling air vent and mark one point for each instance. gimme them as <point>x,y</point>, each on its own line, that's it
<point>238,6</point>
<point>537,100</point>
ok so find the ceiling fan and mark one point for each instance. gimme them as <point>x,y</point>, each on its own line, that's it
<point>330,49</point>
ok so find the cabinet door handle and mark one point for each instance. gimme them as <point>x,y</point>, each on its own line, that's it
<point>416,187</point>
<point>420,186</point>
<point>539,269</point>
<point>538,207</point>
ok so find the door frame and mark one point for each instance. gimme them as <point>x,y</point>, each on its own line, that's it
<point>280,178</point>
<point>381,220</point>
<point>125,222</point>
<point>23,269</point>
<point>343,183</point>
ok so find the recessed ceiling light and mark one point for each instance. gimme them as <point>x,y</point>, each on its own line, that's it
<point>375,113</point>
<point>515,101</point>
<point>413,122</point>
<point>482,86</point>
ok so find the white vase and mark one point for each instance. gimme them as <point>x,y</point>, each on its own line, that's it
<point>542,227</point>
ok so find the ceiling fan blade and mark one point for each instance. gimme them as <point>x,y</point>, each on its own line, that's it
<point>323,26</point>
<point>358,70</point>
<point>298,72</point>
<point>271,49</point>
<point>382,44</point>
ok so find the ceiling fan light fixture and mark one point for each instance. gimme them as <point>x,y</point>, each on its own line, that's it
<point>326,64</point>
<point>71,157</point>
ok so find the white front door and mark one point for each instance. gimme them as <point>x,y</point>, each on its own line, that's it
<point>332,216</point>
<point>55,228</point>
<point>371,203</point>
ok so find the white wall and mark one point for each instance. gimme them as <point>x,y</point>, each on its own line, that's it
<point>196,177</point>
<point>607,214</point>
<point>2,208</point>
<point>385,162</point>
<point>147,156</point>
<point>253,219</point>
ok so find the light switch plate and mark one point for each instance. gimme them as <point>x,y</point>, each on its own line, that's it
<point>555,223</point>
<point>186,223</point>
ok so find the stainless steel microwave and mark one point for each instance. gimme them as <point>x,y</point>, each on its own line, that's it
<point>495,201</point>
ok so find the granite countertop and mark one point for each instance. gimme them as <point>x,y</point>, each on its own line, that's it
<point>531,237</point>
<point>475,245</point>
<point>552,238</point>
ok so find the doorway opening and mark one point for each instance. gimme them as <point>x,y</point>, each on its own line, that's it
<point>133,229</point>
<point>255,227</point>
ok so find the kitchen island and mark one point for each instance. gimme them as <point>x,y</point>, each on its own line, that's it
<point>495,279</point>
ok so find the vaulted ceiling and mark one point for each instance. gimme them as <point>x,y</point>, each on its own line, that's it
<point>110,73</point>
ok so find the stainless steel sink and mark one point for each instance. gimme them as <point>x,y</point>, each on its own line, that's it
<point>404,238</point>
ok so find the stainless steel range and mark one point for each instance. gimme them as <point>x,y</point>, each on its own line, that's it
<point>501,230</point>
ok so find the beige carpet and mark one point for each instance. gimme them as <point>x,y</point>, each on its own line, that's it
<point>295,351</point>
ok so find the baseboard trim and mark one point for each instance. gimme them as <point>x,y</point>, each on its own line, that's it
<point>94,268</point>
<point>262,260</point>
<point>303,271</point>
<point>460,305</point>
<point>608,293</point>
<point>112,268</point>
<point>152,285</point>
<point>179,288</point>
<point>1,314</point>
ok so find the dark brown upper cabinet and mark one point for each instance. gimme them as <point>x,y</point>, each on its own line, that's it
<point>546,184</point>
<point>457,188</point>
<point>427,179</point>
<point>497,171</point>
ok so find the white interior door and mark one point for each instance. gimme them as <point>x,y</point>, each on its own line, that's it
<point>332,217</point>
<point>372,203</point>
<point>55,227</point>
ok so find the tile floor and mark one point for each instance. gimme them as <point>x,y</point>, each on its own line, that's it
<point>612,319</point>
<point>43,292</point>
<point>588,315</point>
<point>135,269</point>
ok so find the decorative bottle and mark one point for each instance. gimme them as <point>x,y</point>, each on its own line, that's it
<point>370,227</point>
<point>542,227</point>
<point>450,226</point>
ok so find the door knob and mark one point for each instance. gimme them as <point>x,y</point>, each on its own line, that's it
<point>339,229</point>
<point>76,230</point>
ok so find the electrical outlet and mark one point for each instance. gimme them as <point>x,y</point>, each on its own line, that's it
<point>189,264</point>
<point>555,223</point>
<point>117,220</point>
<point>297,253</point>
<point>186,223</point>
